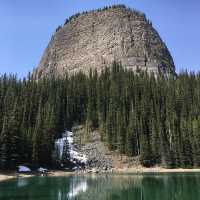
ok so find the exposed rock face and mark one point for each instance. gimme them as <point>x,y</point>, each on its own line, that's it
<point>96,38</point>
<point>97,153</point>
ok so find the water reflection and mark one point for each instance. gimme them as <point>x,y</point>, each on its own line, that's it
<point>110,187</point>
<point>77,186</point>
<point>22,182</point>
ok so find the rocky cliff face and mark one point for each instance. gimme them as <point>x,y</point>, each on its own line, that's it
<point>97,38</point>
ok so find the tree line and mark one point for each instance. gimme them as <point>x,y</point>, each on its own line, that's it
<point>75,16</point>
<point>155,118</point>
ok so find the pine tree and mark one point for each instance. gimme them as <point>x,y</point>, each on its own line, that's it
<point>121,132</point>
<point>132,138</point>
<point>196,141</point>
<point>5,145</point>
<point>15,142</point>
<point>49,132</point>
<point>37,138</point>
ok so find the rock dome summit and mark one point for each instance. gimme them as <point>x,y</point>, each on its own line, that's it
<point>95,39</point>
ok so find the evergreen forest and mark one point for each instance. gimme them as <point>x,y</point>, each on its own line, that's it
<point>154,118</point>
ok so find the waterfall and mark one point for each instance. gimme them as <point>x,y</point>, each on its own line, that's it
<point>67,142</point>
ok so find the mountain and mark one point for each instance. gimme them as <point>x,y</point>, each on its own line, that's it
<point>95,39</point>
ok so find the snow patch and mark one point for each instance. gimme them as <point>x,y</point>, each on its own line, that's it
<point>23,169</point>
<point>42,170</point>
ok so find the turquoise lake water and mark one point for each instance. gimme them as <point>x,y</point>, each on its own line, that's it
<point>181,186</point>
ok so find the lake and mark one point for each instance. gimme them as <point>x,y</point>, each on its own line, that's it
<point>174,186</point>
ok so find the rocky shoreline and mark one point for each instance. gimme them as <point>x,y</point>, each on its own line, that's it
<point>13,175</point>
<point>99,161</point>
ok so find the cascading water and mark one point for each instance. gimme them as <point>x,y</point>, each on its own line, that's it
<point>66,143</point>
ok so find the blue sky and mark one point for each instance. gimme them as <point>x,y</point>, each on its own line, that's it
<point>26,27</point>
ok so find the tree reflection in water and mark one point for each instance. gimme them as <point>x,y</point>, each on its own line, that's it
<point>104,187</point>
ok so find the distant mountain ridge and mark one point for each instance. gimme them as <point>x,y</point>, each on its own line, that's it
<point>95,39</point>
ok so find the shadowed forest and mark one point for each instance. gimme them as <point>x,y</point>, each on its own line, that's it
<point>155,118</point>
